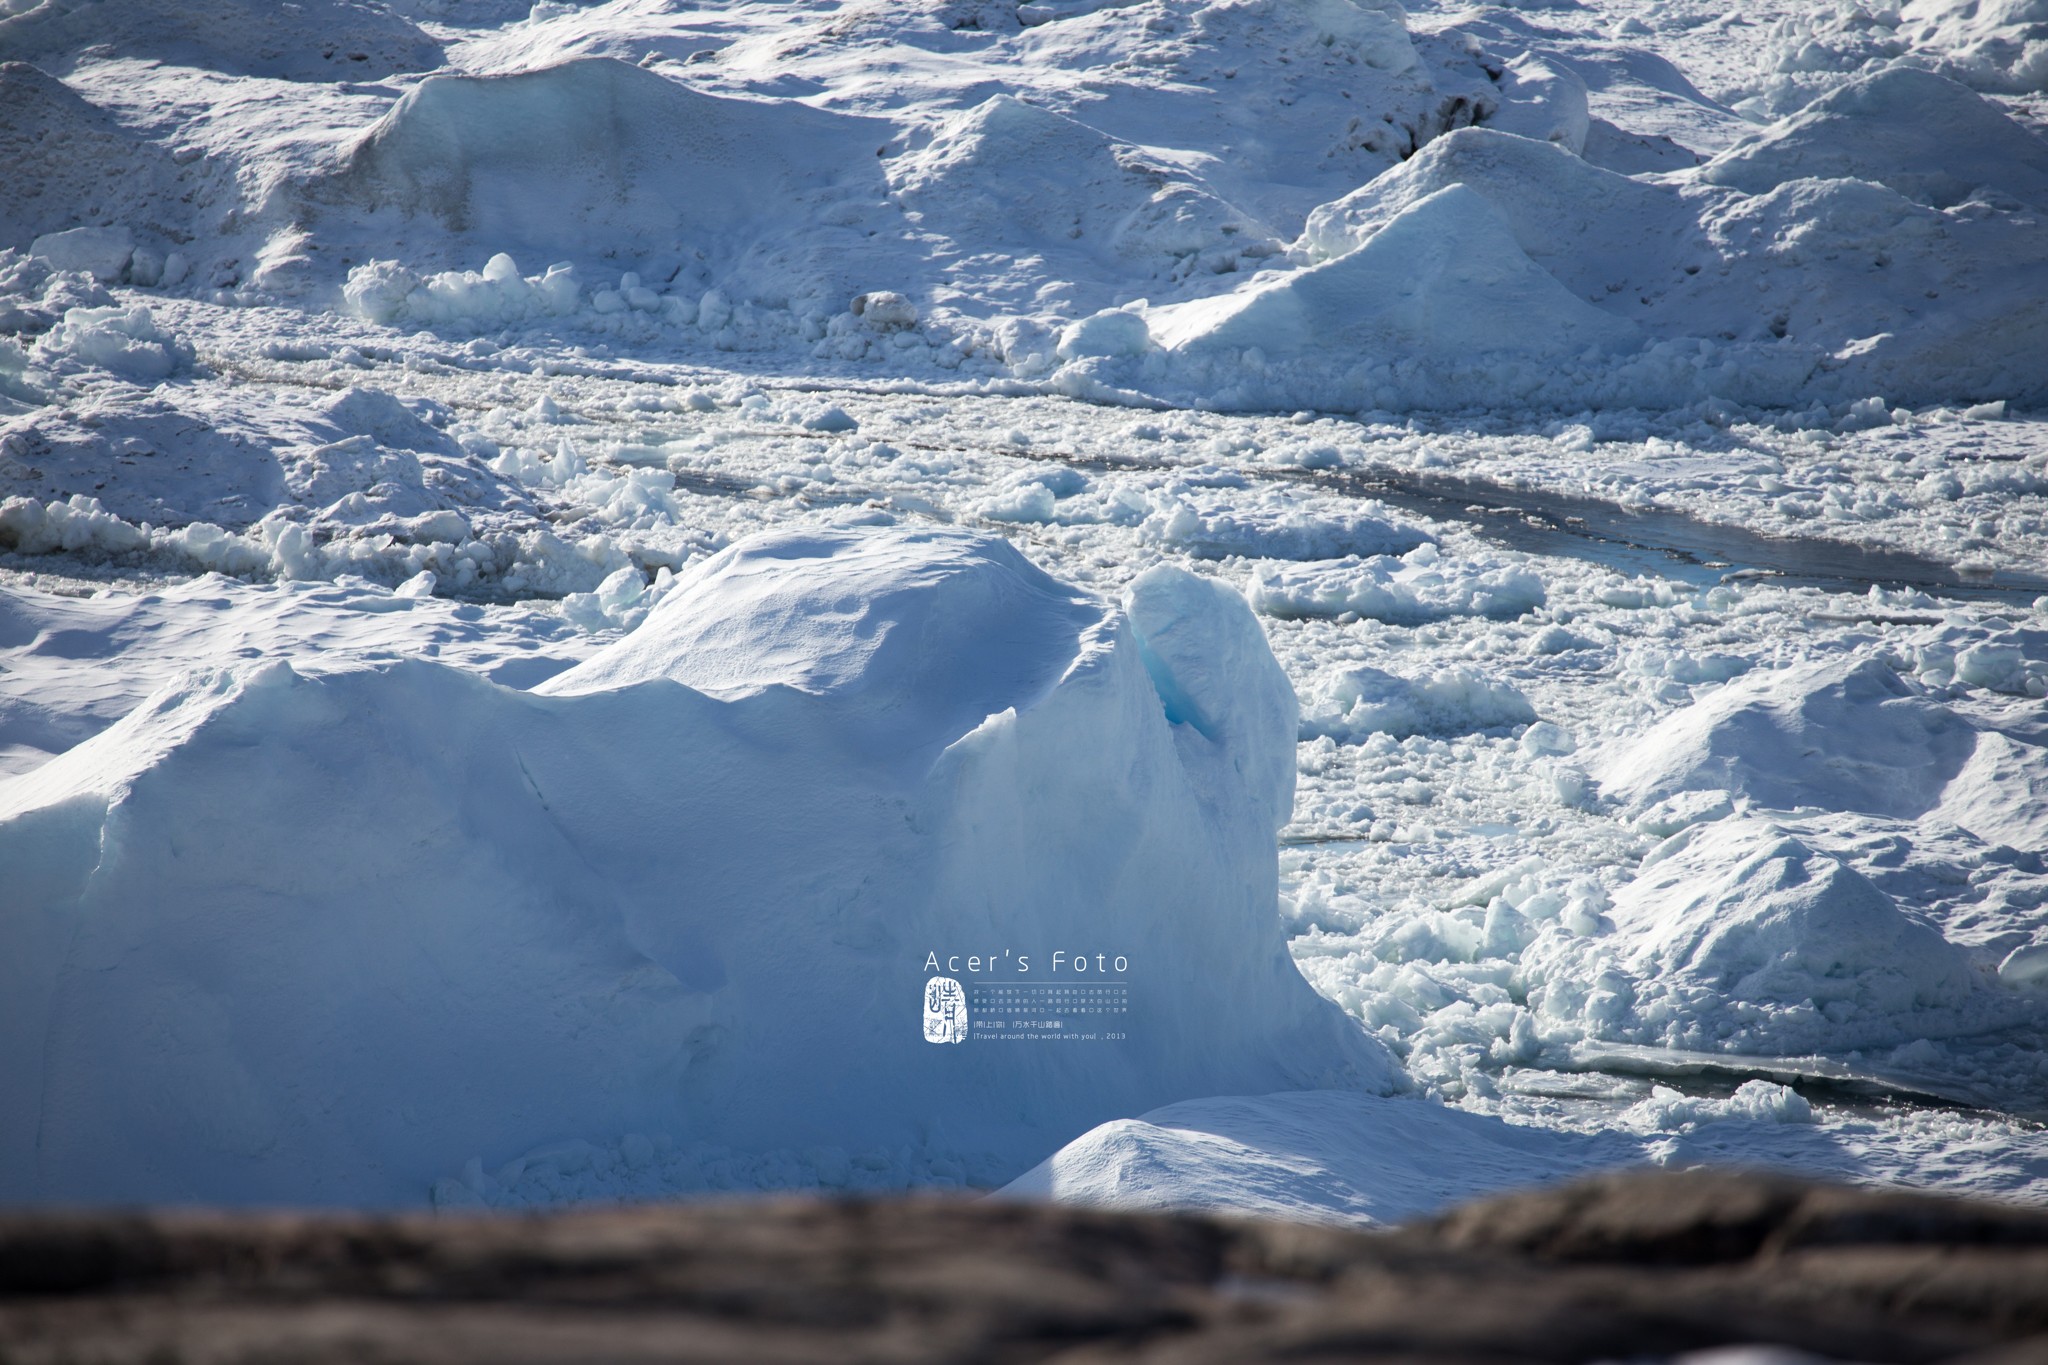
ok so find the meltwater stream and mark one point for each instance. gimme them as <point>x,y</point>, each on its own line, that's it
<point>1661,541</point>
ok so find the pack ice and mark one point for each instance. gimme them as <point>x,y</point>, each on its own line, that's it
<point>1382,215</point>
<point>325,937</point>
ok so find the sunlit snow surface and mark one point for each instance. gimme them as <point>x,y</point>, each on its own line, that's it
<point>1725,855</point>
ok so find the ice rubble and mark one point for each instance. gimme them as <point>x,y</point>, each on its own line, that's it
<point>123,341</point>
<point>442,920</point>
<point>1766,923</point>
<point>1992,44</point>
<point>1199,523</point>
<point>1998,46</point>
<point>1738,936</point>
<point>1833,859</point>
<point>1356,702</point>
<point>1421,585</point>
<point>1077,179</point>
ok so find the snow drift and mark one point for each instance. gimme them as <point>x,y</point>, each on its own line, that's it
<point>324,938</point>
<point>1551,201</point>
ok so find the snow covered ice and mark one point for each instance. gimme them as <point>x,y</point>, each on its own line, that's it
<point>553,555</point>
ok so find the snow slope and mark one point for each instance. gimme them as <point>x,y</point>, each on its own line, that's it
<point>47,132</point>
<point>313,40</point>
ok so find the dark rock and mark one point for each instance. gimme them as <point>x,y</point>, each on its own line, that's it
<point>1620,1267</point>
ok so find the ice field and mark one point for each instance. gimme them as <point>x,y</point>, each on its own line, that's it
<point>552,557</point>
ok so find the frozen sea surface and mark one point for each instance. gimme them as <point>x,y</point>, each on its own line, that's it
<point>1624,429</point>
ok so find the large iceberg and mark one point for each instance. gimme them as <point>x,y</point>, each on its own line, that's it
<point>279,937</point>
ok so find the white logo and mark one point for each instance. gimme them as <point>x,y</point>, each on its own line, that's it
<point>945,1011</point>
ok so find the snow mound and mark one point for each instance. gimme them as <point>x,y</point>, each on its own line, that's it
<point>1930,139</point>
<point>1897,298</point>
<point>507,161</point>
<point>920,639</point>
<point>1011,176</point>
<point>1839,735</point>
<point>1422,585</point>
<point>65,163</point>
<point>1444,277</point>
<point>446,921</point>
<point>311,40</point>
<point>1552,201</point>
<point>1737,936</point>
<point>1442,300</point>
<point>1317,1155</point>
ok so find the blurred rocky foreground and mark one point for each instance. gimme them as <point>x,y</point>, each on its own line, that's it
<point>1622,1267</point>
